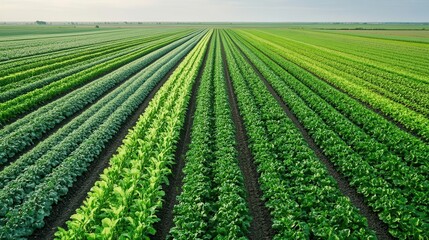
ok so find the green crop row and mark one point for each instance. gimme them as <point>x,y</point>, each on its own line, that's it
<point>411,150</point>
<point>393,57</point>
<point>28,198</point>
<point>413,94</point>
<point>124,202</point>
<point>25,102</point>
<point>20,70</point>
<point>21,133</point>
<point>16,89</point>
<point>392,86</point>
<point>49,55</point>
<point>231,217</point>
<point>194,204</point>
<point>22,49</point>
<point>387,166</point>
<point>23,177</point>
<point>385,184</point>
<point>303,199</point>
<point>409,118</point>
<point>212,175</point>
<point>397,58</point>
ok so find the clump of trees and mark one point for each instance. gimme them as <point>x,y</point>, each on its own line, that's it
<point>40,22</point>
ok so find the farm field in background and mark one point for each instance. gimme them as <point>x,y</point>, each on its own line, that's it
<point>226,131</point>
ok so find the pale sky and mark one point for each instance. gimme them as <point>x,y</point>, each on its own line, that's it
<point>215,10</point>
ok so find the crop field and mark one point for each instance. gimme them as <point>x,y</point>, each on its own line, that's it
<point>213,132</point>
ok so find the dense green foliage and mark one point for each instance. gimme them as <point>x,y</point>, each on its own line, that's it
<point>32,176</point>
<point>22,132</point>
<point>332,120</point>
<point>213,203</point>
<point>124,202</point>
<point>400,176</point>
<point>286,183</point>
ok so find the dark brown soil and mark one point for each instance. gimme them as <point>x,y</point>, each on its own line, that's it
<point>74,198</point>
<point>358,200</point>
<point>174,188</point>
<point>261,225</point>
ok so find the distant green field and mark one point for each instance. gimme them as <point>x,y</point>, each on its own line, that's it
<point>17,30</point>
<point>357,26</point>
<point>329,26</point>
<point>31,29</point>
<point>400,35</point>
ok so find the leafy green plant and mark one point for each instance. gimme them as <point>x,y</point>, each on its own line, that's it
<point>212,204</point>
<point>22,132</point>
<point>149,149</point>
<point>27,101</point>
<point>28,198</point>
<point>292,179</point>
<point>344,144</point>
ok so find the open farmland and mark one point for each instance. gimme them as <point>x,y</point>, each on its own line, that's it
<point>214,132</point>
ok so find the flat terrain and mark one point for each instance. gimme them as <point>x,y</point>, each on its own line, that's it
<point>228,131</point>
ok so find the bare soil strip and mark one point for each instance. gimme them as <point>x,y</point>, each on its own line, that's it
<point>261,225</point>
<point>174,188</point>
<point>74,198</point>
<point>374,223</point>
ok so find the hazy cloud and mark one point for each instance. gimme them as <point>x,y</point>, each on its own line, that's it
<point>214,10</point>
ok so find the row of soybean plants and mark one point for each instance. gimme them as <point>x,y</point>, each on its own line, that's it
<point>23,132</point>
<point>38,179</point>
<point>27,101</point>
<point>394,56</point>
<point>412,94</point>
<point>413,153</point>
<point>411,119</point>
<point>368,164</point>
<point>18,70</point>
<point>397,57</point>
<point>390,85</point>
<point>18,88</point>
<point>212,204</point>
<point>85,43</point>
<point>410,149</point>
<point>30,76</point>
<point>123,204</point>
<point>302,197</point>
<point>45,44</point>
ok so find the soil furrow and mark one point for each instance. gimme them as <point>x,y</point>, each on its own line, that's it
<point>70,90</point>
<point>358,200</point>
<point>59,125</point>
<point>75,196</point>
<point>261,225</point>
<point>366,105</point>
<point>378,111</point>
<point>69,118</point>
<point>174,188</point>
